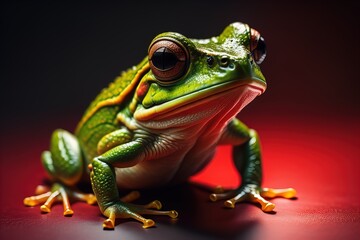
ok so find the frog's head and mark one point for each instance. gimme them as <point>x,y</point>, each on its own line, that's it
<point>190,76</point>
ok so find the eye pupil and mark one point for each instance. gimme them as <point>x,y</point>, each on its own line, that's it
<point>164,59</point>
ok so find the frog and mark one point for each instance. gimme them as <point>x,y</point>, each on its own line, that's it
<point>159,123</point>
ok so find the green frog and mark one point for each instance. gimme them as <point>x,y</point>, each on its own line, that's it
<point>159,123</point>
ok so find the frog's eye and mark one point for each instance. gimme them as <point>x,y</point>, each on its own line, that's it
<point>257,46</point>
<point>168,60</point>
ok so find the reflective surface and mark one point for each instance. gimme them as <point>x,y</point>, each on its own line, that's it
<point>322,168</point>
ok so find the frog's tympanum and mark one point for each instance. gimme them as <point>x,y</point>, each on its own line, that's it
<point>160,122</point>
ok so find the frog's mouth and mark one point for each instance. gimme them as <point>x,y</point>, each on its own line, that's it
<point>201,97</point>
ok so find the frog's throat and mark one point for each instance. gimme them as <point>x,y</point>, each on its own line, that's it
<point>187,101</point>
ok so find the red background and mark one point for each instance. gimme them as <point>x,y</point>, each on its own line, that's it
<point>56,57</point>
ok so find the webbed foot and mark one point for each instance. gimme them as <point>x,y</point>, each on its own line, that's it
<point>128,210</point>
<point>252,193</point>
<point>46,197</point>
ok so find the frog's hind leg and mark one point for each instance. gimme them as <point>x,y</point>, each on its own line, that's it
<point>64,161</point>
<point>64,165</point>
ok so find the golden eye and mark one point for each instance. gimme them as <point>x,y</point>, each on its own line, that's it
<point>257,46</point>
<point>168,60</point>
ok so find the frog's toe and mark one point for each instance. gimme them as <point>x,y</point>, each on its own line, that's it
<point>154,205</point>
<point>282,192</point>
<point>254,194</point>
<point>89,198</point>
<point>220,194</point>
<point>110,222</point>
<point>266,206</point>
<point>126,210</point>
<point>58,193</point>
<point>48,198</point>
<point>247,193</point>
<point>45,208</point>
<point>153,208</point>
<point>40,189</point>
<point>36,200</point>
<point>148,223</point>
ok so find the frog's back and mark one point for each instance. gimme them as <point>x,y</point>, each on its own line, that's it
<point>100,117</point>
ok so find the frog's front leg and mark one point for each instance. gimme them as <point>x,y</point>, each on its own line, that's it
<point>64,164</point>
<point>247,158</point>
<point>104,185</point>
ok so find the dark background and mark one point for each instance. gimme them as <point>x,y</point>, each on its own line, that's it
<point>56,56</point>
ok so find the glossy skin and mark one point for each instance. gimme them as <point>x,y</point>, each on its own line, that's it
<point>161,121</point>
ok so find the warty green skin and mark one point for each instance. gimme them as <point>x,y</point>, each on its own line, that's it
<point>160,134</point>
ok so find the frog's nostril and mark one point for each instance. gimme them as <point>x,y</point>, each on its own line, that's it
<point>224,61</point>
<point>232,65</point>
<point>210,61</point>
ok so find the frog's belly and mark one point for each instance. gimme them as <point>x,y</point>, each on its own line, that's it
<point>169,170</point>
